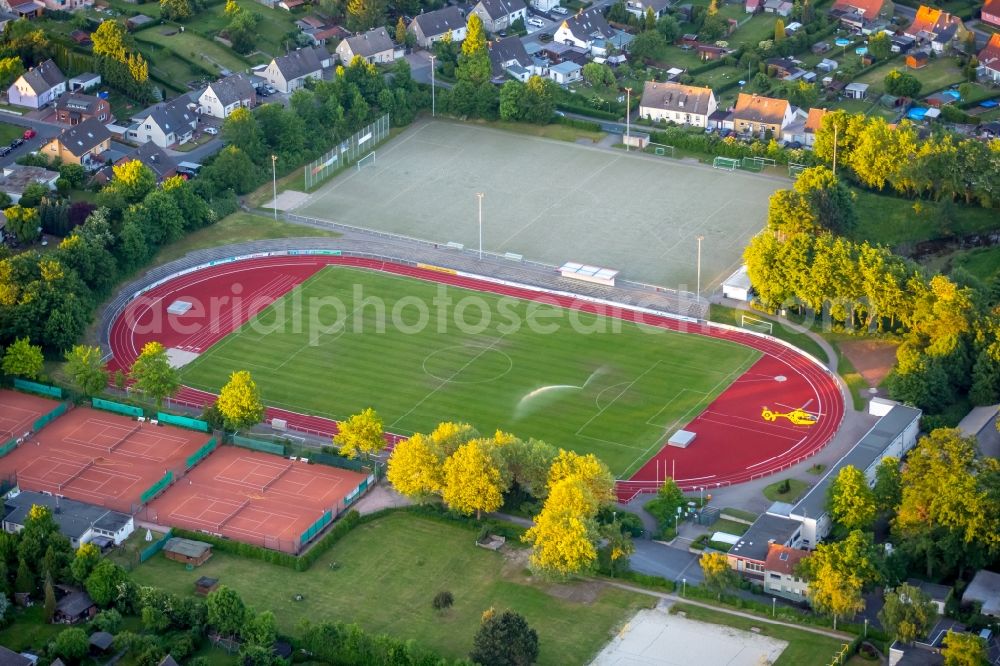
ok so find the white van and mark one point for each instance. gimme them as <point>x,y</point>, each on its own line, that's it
<point>537,22</point>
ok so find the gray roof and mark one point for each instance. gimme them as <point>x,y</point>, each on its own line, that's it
<point>656,5</point>
<point>43,77</point>
<point>74,603</point>
<point>933,590</point>
<point>871,448</point>
<point>985,589</point>
<point>10,658</point>
<point>155,158</point>
<point>589,25</point>
<point>369,43</point>
<point>500,8</point>
<point>174,116</point>
<point>506,50</point>
<point>139,19</point>
<point>168,661</point>
<point>303,62</point>
<point>84,137</point>
<point>78,102</point>
<point>677,97</point>
<point>440,21</point>
<point>234,88</point>
<point>16,177</point>
<point>73,518</point>
<point>102,640</point>
<point>765,530</point>
<point>187,547</point>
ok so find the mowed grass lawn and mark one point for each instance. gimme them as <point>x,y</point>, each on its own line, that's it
<point>421,353</point>
<point>938,73</point>
<point>804,648</point>
<point>389,571</point>
<point>9,132</point>
<point>190,46</point>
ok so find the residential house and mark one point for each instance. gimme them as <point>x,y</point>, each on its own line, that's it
<point>374,46</point>
<point>937,594</point>
<point>27,10</point>
<point>779,7</point>
<point>544,5</point>
<point>673,102</point>
<point>80,144</point>
<point>938,28</point>
<point>68,5</point>
<point>780,67</point>
<point>901,43</point>
<point>6,17</point>
<point>431,27</point>
<point>290,72</point>
<point>509,57</point>
<point>565,72</point>
<point>15,178</point>
<point>981,423</point>
<point>38,86</point>
<point>226,95</point>
<point>756,114</point>
<point>640,7</point>
<point>79,522</point>
<point>10,658</point>
<point>985,590</point>
<point>989,59</point>
<point>749,556</point>
<point>925,650</point>
<point>74,108</point>
<point>76,606</point>
<point>862,15</point>
<point>707,52</point>
<point>498,15</point>
<point>165,125</point>
<point>584,30</point>
<point>781,577</point>
<point>155,158</point>
<point>84,82</point>
<point>754,6</point>
<point>813,124</point>
<point>991,12</point>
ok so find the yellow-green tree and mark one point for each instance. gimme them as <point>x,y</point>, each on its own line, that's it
<point>589,469</point>
<point>564,534</point>
<point>85,367</point>
<point>448,436</point>
<point>361,434</point>
<point>23,359</point>
<point>908,613</point>
<point>961,649</point>
<point>838,572</point>
<point>779,31</point>
<point>239,402</point>
<point>153,374</point>
<point>719,576</point>
<point>472,481</point>
<point>851,501</point>
<point>87,557</point>
<point>231,7</point>
<point>414,469</point>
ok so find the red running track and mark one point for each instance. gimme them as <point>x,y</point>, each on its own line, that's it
<point>733,443</point>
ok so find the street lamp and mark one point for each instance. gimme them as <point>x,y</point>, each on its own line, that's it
<point>701,496</point>
<point>628,115</point>
<point>684,586</point>
<point>480,195</point>
<point>774,602</point>
<point>700,239</point>
<point>274,184</point>
<point>433,107</point>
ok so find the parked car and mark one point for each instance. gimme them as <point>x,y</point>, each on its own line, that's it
<point>560,10</point>
<point>271,89</point>
<point>211,130</point>
<point>15,143</point>
<point>538,23</point>
<point>4,151</point>
<point>29,133</point>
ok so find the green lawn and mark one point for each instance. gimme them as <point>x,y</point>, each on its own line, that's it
<point>389,571</point>
<point>237,228</point>
<point>939,72</point>
<point>982,262</point>
<point>9,132</point>
<point>729,527</point>
<point>804,648</point>
<point>796,489</point>
<point>901,223</point>
<point>272,30</point>
<point>732,316</point>
<point>191,46</point>
<point>495,362</point>
<point>29,631</point>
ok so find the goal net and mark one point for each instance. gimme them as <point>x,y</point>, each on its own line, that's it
<point>755,324</point>
<point>728,163</point>
<point>795,169</point>
<point>662,149</point>
<point>367,161</point>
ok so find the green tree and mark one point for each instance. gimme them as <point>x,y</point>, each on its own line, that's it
<point>719,576</point>
<point>647,45</point>
<point>110,39</point>
<point>87,557</point>
<point>598,74</point>
<point>24,582</point>
<point>153,374</point>
<point>851,501</point>
<point>510,100</point>
<point>472,480</point>
<point>175,10</point>
<point>908,613</point>
<point>72,645</point>
<point>400,31</point>
<point>242,31</point>
<point>232,170</point>
<point>474,60</point>
<point>86,369</point>
<point>239,402</point>
<point>879,46</point>
<point>838,573</point>
<point>779,31</point>
<point>649,19</point>
<point>261,630</point>
<point>538,100</point>
<point>23,359</point>
<point>33,195</point>
<point>132,180</point>
<point>105,583</point>
<point>962,649</point>
<point>10,68</point>
<point>23,222</point>
<point>241,129</point>
<point>888,490</point>
<point>365,14</point>
<point>50,598</point>
<point>505,639</point>
<point>901,84</point>
<point>668,27</point>
<point>361,434</point>
<point>226,611</point>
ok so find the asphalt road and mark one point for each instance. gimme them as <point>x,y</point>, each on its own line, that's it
<point>656,559</point>
<point>44,132</point>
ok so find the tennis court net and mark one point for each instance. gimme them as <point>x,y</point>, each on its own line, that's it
<point>272,481</point>
<point>75,475</point>
<point>125,438</point>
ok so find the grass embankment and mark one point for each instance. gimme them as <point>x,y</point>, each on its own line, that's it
<point>796,489</point>
<point>733,316</point>
<point>387,572</point>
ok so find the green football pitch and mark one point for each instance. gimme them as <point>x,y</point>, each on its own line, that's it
<point>421,353</point>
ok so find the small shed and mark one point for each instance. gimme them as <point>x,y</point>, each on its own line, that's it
<point>984,589</point>
<point>737,285</point>
<point>938,594</point>
<point>101,642</point>
<point>168,661</point>
<point>205,585</point>
<point>917,60</point>
<point>856,90</point>
<point>75,607</point>
<point>187,551</point>
<point>137,21</point>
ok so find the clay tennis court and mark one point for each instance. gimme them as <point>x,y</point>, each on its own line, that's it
<point>100,458</point>
<point>254,497</point>
<point>18,412</point>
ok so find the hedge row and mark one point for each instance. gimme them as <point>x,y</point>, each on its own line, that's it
<point>586,111</point>
<point>646,580</point>
<point>585,125</point>
<point>712,64</point>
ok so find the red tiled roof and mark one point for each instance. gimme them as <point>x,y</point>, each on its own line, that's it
<point>868,8</point>
<point>759,109</point>
<point>814,120</point>
<point>991,11</point>
<point>783,559</point>
<point>990,55</point>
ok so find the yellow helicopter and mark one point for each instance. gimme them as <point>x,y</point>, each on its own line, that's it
<point>796,416</point>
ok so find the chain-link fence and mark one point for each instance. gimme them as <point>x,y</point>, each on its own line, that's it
<point>348,152</point>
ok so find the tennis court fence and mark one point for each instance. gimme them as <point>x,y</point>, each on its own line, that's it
<point>201,453</point>
<point>157,487</point>
<point>117,407</point>
<point>35,387</point>
<point>183,422</point>
<point>43,421</point>
<point>258,445</point>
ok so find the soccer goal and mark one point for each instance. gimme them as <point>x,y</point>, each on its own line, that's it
<point>795,169</point>
<point>728,163</point>
<point>755,324</point>
<point>366,161</point>
<point>661,149</point>
<point>751,164</point>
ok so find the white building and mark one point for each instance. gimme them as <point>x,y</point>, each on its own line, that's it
<point>165,125</point>
<point>584,30</point>
<point>38,86</point>
<point>375,46</point>
<point>431,27</point>
<point>290,72</point>
<point>80,523</point>
<point>226,95</point>
<point>498,15</point>
<point>673,102</point>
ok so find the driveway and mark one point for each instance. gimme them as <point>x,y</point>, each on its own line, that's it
<point>657,559</point>
<point>420,66</point>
